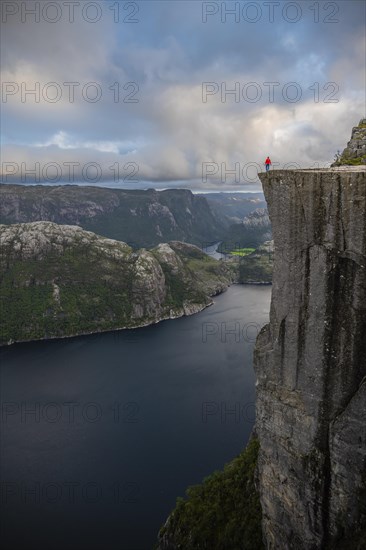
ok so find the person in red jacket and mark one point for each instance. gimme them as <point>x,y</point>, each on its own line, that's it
<point>267,162</point>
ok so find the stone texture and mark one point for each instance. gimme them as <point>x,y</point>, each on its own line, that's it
<point>355,152</point>
<point>310,360</point>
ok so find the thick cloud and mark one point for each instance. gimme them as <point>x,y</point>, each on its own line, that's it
<point>160,123</point>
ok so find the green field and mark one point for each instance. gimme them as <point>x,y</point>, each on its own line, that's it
<point>241,251</point>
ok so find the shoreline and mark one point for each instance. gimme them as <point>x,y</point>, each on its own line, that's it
<point>182,313</point>
<point>117,329</point>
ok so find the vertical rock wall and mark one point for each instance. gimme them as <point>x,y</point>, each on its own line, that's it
<point>310,361</point>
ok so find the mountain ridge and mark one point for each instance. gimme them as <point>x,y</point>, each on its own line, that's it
<point>141,218</point>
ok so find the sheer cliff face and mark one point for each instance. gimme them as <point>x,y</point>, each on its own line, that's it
<point>310,361</point>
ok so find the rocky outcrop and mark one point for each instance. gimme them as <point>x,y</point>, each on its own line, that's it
<point>251,232</point>
<point>232,208</point>
<point>59,280</point>
<point>258,218</point>
<point>310,361</point>
<point>139,217</point>
<point>355,152</point>
<point>257,267</point>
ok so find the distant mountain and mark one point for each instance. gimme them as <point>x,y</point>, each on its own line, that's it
<point>140,218</point>
<point>60,280</point>
<point>257,268</point>
<point>231,208</point>
<point>253,231</point>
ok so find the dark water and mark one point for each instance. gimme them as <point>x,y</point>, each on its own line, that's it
<point>100,434</point>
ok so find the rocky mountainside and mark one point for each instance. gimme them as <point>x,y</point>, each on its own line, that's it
<point>257,267</point>
<point>251,232</point>
<point>231,208</point>
<point>60,280</point>
<point>355,152</point>
<point>310,363</point>
<point>140,218</point>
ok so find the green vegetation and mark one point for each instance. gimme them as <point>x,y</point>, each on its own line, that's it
<point>257,267</point>
<point>254,230</point>
<point>58,295</point>
<point>198,276</point>
<point>241,251</point>
<point>142,218</point>
<point>59,281</point>
<point>354,154</point>
<point>358,161</point>
<point>181,290</point>
<point>222,513</point>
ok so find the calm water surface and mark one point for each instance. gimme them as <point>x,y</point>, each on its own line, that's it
<point>100,434</point>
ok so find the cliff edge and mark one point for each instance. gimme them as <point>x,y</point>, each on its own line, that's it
<point>310,361</point>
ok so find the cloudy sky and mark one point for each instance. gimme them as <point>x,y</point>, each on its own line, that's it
<point>136,94</point>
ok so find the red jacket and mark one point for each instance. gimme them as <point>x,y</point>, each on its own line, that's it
<point>267,161</point>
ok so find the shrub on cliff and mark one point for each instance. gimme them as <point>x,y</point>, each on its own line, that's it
<point>355,152</point>
<point>222,513</point>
